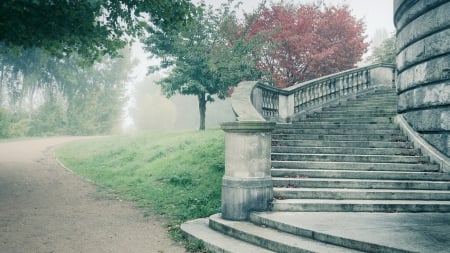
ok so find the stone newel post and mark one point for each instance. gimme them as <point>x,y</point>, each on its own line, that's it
<point>247,183</point>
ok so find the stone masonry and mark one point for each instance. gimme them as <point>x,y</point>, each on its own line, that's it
<point>423,67</point>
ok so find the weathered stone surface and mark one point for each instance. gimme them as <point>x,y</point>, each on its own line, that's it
<point>425,49</point>
<point>425,97</point>
<point>247,183</point>
<point>241,196</point>
<point>439,141</point>
<point>242,104</point>
<point>432,21</point>
<point>430,71</point>
<point>247,149</point>
<point>423,63</point>
<point>430,120</point>
<point>407,10</point>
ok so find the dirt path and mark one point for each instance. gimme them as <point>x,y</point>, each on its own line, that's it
<point>45,208</point>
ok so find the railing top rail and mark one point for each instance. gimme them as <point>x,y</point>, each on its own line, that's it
<point>335,75</point>
<point>290,90</point>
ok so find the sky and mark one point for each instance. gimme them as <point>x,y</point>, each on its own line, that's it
<point>377,14</point>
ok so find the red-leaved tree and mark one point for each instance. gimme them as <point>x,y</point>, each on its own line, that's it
<point>307,41</point>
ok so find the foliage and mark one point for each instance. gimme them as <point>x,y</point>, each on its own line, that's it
<point>206,57</point>
<point>13,125</point>
<point>91,29</point>
<point>385,53</point>
<point>55,96</point>
<point>49,119</point>
<point>307,41</point>
<point>174,174</point>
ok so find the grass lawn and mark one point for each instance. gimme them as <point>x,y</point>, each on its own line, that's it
<point>174,174</point>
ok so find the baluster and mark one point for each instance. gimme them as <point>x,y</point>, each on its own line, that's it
<point>366,78</point>
<point>332,88</point>
<point>345,85</point>
<point>354,83</point>
<point>309,97</point>
<point>359,81</point>
<point>303,99</point>
<point>315,94</point>
<point>328,90</point>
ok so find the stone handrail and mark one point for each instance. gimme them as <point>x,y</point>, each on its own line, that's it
<point>259,101</point>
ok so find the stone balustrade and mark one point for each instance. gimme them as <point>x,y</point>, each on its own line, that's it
<point>247,183</point>
<point>282,105</point>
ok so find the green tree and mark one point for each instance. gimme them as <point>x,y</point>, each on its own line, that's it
<point>385,53</point>
<point>206,57</point>
<point>72,100</point>
<point>90,28</point>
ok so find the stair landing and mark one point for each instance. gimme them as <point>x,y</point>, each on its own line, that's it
<point>356,232</point>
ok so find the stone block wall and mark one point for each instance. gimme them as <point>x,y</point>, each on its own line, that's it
<point>423,68</point>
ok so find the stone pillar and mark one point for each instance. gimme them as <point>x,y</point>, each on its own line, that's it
<point>286,106</point>
<point>247,183</point>
<point>423,67</point>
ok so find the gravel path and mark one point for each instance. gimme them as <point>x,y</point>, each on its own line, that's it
<point>45,208</point>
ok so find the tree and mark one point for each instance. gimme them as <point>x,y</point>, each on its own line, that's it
<point>62,97</point>
<point>206,57</point>
<point>384,53</point>
<point>307,41</point>
<point>91,28</point>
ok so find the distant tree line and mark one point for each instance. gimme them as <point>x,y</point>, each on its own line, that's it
<point>44,95</point>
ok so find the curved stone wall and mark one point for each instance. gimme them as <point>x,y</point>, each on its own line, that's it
<point>423,68</point>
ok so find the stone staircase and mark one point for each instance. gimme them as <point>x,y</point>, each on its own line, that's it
<point>353,157</point>
<point>345,180</point>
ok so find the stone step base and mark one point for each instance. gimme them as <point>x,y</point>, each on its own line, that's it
<point>351,144</point>
<point>368,232</point>
<point>328,167</point>
<point>360,183</point>
<point>360,194</point>
<point>344,150</point>
<point>362,158</point>
<point>272,239</point>
<point>332,205</point>
<point>199,232</point>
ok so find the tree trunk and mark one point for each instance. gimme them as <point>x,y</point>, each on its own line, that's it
<point>202,109</point>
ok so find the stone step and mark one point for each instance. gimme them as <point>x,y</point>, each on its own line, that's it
<point>363,194</point>
<point>360,174</point>
<point>341,137</point>
<point>352,114</point>
<point>367,120</point>
<point>344,109</point>
<point>371,103</point>
<point>349,158</point>
<point>352,144</point>
<point>359,183</point>
<point>336,125</point>
<point>345,150</point>
<point>198,231</point>
<point>355,166</point>
<point>272,239</point>
<point>338,131</point>
<point>332,205</point>
<point>368,232</point>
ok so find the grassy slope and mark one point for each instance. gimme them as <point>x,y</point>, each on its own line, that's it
<point>176,174</point>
